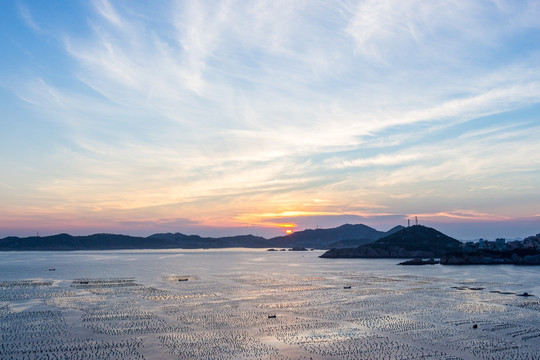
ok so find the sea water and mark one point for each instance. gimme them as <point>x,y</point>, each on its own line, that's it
<point>256,304</point>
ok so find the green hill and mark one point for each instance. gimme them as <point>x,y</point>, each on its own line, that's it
<point>419,237</point>
<point>413,241</point>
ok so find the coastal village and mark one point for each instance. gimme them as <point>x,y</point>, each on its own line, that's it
<point>500,244</point>
<point>517,252</point>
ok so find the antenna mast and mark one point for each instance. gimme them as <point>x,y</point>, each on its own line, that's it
<point>416,219</point>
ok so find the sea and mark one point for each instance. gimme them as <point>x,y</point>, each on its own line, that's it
<point>256,304</point>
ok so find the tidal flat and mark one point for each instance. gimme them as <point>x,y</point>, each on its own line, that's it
<point>254,304</point>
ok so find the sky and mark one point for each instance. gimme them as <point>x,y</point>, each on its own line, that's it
<point>236,117</point>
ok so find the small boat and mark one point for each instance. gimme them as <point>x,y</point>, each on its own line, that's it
<point>272,316</point>
<point>52,269</point>
<point>346,287</point>
<point>183,279</point>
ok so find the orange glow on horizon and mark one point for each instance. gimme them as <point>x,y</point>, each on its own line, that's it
<point>288,227</point>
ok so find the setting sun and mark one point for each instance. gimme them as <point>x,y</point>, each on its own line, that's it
<point>288,227</point>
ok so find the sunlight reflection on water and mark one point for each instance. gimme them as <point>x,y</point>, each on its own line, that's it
<point>273,304</point>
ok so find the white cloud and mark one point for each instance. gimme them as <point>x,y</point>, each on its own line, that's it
<point>106,10</point>
<point>212,100</point>
<point>382,160</point>
<point>28,19</point>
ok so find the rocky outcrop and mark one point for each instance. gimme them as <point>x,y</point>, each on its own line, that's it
<point>419,261</point>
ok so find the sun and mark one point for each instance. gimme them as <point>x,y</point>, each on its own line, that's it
<point>287,227</point>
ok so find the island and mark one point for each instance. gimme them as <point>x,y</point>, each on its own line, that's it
<point>418,261</point>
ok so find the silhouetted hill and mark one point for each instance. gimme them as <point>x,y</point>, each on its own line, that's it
<point>91,242</point>
<point>420,237</point>
<point>329,238</point>
<point>197,242</point>
<point>360,241</point>
<point>414,241</point>
<point>395,229</point>
<point>318,238</point>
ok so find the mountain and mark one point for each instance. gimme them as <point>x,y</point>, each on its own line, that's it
<point>91,242</point>
<point>414,241</point>
<point>329,238</point>
<point>182,241</point>
<point>345,235</point>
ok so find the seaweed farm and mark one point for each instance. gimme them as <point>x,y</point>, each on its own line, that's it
<point>247,304</point>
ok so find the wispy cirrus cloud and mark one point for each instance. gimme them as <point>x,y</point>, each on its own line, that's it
<point>215,110</point>
<point>28,19</point>
<point>467,215</point>
<point>107,11</point>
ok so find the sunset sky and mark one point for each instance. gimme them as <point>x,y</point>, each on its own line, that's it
<point>235,117</point>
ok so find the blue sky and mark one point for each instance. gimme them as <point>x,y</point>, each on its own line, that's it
<point>227,117</point>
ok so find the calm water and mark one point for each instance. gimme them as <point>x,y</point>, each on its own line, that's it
<point>254,304</point>
<point>150,265</point>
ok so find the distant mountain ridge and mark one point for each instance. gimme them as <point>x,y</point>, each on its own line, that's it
<point>344,235</point>
<point>410,242</point>
<point>336,237</point>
